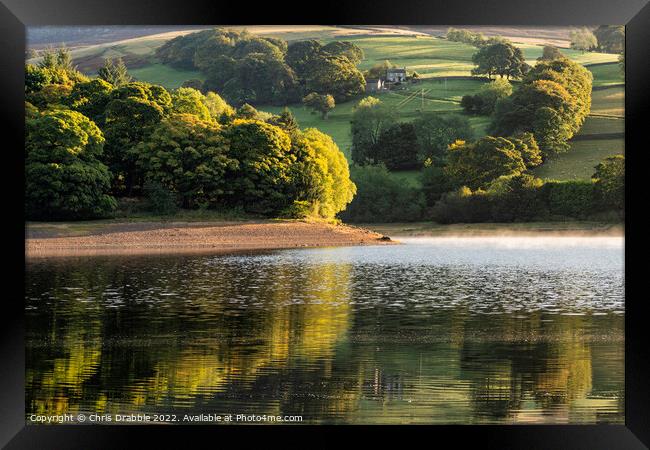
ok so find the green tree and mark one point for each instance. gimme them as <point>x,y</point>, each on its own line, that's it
<point>286,120</point>
<point>131,114</point>
<point>248,112</point>
<point>435,132</point>
<point>193,83</point>
<point>435,182</point>
<point>501,58</point>
<point>621,62</point>
<point>609,181</point>
<point>369,119</point>
<point>302,54</point>
<point>474,165</point>
<point>36,78</point>
<point>583,39</point>
<point>466,36</point>
<point>190,101</point>
<point>64,178</point>
<point>217,106</point>
<point>90,98</point>
<point>114,72</point>
<point>52,80</point>
<point>53,96</point>
<point>242,67</point>
<point>334,75</point>
<point>552,102</point>
<point>321,177</point>
<point>64,59</point>
<point>397,147</point>
<point>322,104</point>
<point>611,38</point>
<point>344,48</point>
<point>262,181</point>
<point>484,102</point>
<point>189,157</point>
<point>526,145</point>
<point>550,52</point>
<point>516,198</point>
<point>379,70</point>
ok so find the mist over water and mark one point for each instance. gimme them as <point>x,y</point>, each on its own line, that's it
<point>438,330</point>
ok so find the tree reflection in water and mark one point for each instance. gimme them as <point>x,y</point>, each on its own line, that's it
<point>193,334</point>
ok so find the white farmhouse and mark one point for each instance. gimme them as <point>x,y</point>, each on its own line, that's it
<point>396,75</point>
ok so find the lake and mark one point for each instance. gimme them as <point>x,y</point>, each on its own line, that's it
<point>493,330</point>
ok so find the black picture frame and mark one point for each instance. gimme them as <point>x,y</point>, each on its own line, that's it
<point>16,14</point>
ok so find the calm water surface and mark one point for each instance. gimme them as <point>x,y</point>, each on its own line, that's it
<point>444,330</point>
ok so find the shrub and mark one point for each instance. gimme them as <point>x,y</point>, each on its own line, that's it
<point>381,197</point>
<point>570,198</point>
<point>516,198</point>
<point>610,183</point>
<point>462,205</point>
<point>160,200</point>
<point>435,183</point>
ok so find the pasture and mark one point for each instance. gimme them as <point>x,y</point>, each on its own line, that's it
<point>579,162</point>
<point>607,74</point>
<point>164,75</point>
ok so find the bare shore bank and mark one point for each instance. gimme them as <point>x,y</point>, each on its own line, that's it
<point>106,238</point>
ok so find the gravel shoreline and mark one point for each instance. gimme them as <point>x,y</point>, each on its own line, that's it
<point>148,238</point>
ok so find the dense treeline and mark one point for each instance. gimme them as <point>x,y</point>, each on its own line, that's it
<point>472,38</point>
<point>523,197</point>
<point>552,102</point>
<point>88,142</point>
<point>246,68</point>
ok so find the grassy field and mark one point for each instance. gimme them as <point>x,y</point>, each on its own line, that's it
<point>609,101</point>
<point>602,125</point>
<point>439,95</point>
<point>579,162</point>
<point>607,74</point>
<point>165,75</point>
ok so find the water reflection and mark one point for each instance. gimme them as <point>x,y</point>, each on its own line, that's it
<point>429,332</point>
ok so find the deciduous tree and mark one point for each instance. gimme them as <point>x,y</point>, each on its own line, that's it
<point>64,177</point>
<point>322,104</point>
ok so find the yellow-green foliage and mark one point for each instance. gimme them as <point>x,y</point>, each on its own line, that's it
<point>323,177</point>
<point>186,100</point>
<point>476,164</point>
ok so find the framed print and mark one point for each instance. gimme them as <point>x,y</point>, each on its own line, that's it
<point>388,219</point>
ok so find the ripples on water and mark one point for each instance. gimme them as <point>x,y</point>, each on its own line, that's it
<point>442,330</point>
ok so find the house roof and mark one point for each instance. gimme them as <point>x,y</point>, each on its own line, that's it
<point>396,70</point>
<point>372,80</point>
